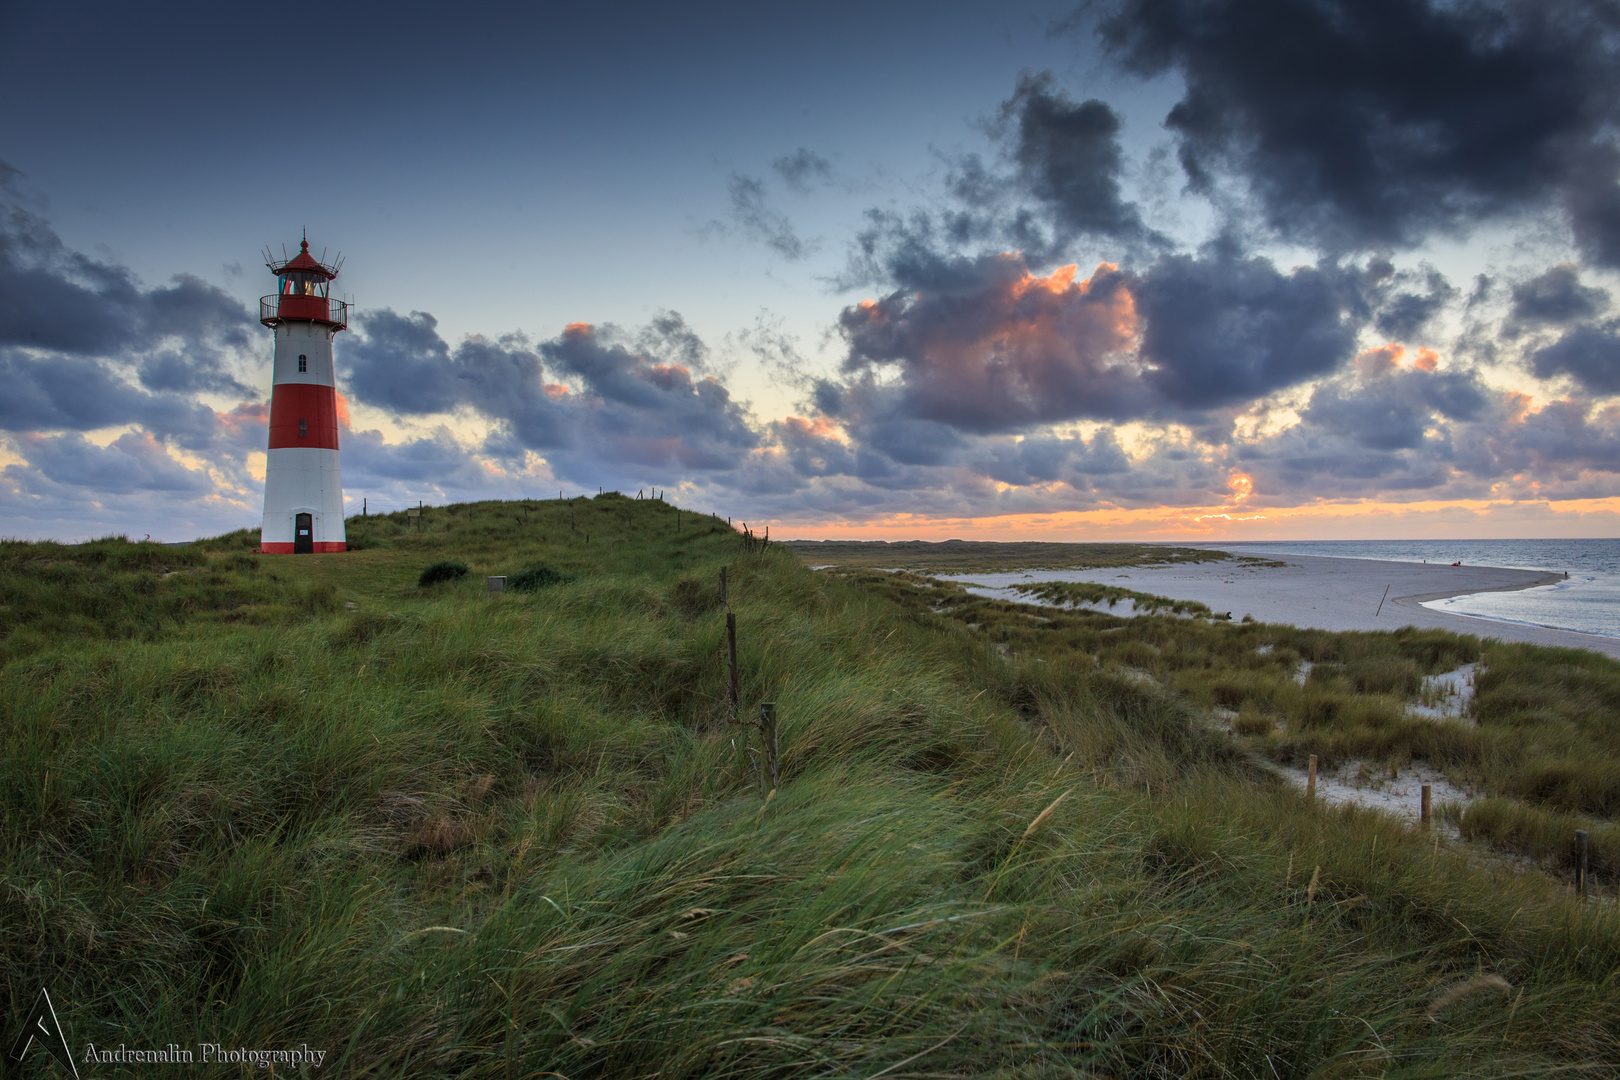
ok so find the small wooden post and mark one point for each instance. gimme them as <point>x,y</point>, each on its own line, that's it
<point>496,584</point>
<point>1424,807</point>
<point>1310,779</point>
<point>767,731</point>
<point>363,507</point>
<point>724,602</point>
<point>1581,866</point>
<point>731,663</point>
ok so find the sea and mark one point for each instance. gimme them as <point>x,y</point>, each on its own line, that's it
<point>1588,601</point>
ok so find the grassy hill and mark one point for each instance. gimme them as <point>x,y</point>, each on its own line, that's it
<point>270,801</point>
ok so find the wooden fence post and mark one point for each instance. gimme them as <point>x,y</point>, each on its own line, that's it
<point>1310,779</point>
<point>767,731</point>
<point>1423,809</point>
<point>731,663</point>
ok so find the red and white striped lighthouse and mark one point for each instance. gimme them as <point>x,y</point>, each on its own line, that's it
<point>303,489</point>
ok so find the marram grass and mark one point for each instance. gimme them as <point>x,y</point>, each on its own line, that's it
<point>440,833</point>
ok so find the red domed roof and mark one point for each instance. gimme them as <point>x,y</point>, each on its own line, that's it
<point>304,262</point>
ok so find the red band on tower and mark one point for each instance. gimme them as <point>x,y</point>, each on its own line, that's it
<point>303,414</point>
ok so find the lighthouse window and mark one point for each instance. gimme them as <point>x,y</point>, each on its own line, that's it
<point>303,362</point>
<point>303,428</point>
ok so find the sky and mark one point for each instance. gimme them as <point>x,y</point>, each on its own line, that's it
<point>1132,269</point>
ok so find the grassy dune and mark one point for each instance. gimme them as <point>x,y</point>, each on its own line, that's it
<point>264,801</point>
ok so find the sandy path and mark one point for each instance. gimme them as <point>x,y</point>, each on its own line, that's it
<point>1333,594</point>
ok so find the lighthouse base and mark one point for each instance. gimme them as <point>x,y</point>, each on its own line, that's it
<point>303,502</point>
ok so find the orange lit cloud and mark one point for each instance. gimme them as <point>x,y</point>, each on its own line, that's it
<point>819,428</point>
<point>1388,357</point>
<point>1015,348</point>
<point>244,418</point>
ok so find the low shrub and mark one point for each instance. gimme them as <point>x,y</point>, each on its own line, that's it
<point>534,579</point>
<point>441,571</point>
<point>1544,835</point>
<point>1251,721</point>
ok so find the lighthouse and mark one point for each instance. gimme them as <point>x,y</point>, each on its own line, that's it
<point>303,489</point>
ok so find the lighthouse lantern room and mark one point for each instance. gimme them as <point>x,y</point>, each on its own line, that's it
<point>303,488</point>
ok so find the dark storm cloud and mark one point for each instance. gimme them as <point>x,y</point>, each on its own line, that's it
<point>1056,181</point>
<point>436,460</point>
<point>400,363</point>
<point>1592,194</point>
<point>913,251</point>
<point>1588,354</point>
<point>1405,301</point>
<point>1045,459</point>
<point>1222,329</point>
<point>132,462</point>
<point>1365,123</point>
<point>52,298</point>
<point>1562,440</point>
<point>812,449</point>
<point>1394,409</point>
<point>183,371</point>
<point>1557,296</point>
<point>641,408</point>
<point>586,395</point>
<point>77,393</point>
<point>802,168</point>
<point>986,346</point>
<point>1068,157</point>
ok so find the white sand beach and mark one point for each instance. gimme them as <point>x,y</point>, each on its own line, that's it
<point>1331,594</point>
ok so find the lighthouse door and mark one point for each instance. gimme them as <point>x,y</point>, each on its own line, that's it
<point>304,534</point>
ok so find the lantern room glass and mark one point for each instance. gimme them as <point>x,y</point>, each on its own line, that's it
<point>297,283</point>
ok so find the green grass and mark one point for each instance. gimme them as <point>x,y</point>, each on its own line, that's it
<point>1543,732</point>
<point>445,833</point>
<point>1078,593</point>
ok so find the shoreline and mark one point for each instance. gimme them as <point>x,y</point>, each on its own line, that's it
<point>1336,593</point>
